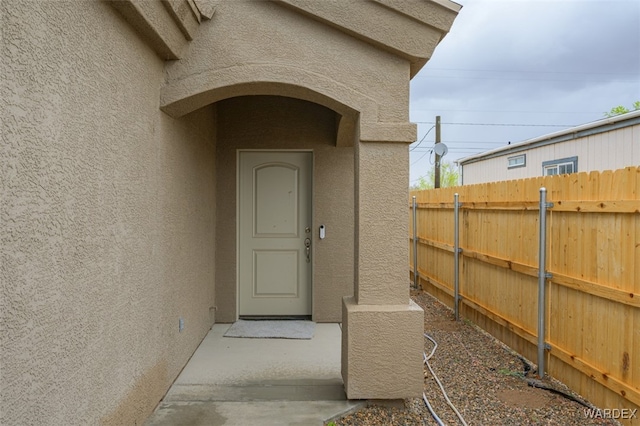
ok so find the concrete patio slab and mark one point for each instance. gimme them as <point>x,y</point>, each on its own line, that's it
<point>232,381</point>
<point>248,413</point>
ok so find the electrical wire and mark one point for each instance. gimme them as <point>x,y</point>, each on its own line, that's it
<point>424,396</point>
<point>519,111</point>
<point>500,124</point>
<point>532,72</point>
<point>493,142</point>
<point>461,77</point>
<point>432,162</point>
<point>425,135</point>
<point>422,156</point>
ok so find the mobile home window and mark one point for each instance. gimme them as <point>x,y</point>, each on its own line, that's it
<point>560,167</point>
<point>517,161</point>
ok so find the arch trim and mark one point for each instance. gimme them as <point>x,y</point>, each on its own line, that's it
<point>183,96</point>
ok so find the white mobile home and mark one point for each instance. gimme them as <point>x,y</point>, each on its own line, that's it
<point>608,144</point>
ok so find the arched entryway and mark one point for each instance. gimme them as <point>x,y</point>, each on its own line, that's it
<point>280,126</point>
<point>354,61</point>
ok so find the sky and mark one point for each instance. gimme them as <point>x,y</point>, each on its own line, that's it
<point>513,70</point>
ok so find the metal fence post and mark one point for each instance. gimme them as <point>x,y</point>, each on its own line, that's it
<point>456,255</point>
<point>415,244</point>
<point>542,278</point>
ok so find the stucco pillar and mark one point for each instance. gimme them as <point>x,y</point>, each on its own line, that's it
<point>382,328</point>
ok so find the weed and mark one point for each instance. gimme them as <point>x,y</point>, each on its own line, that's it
<point>507,372</point>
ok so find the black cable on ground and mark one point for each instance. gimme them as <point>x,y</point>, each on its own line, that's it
<point>535,383</point>
<point>526,365</point>
<point>542,385</point>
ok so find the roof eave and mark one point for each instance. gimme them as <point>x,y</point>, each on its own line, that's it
<point>410,30</point>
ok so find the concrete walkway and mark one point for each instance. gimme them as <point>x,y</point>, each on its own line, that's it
<point>231,381</point>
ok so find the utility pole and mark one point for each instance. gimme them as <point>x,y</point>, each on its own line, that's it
<point>436,183</point>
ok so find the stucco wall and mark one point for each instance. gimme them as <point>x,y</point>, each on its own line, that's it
<point>381,187</point>
<point>264,41</point>
<point>269,122</point>
<point>107,211</point>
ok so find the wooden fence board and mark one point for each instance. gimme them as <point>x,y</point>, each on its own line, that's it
<point>634,346</point>
<point>593,247</point>
<point>603,291</point>
<point>614,206</point>
<point>594,373</point>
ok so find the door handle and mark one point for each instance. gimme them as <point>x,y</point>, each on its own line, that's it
<point>307,245</point>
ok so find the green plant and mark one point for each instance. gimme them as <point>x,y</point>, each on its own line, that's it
<point>507,372</point>
<point>449,176</point>
<point>621,109</point>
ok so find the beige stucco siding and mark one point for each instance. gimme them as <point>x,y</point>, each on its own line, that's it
<point>107,211</point>
<point>268,122</point>
<point>379,227</point>
<point>118,187</point>
<point>264,41</point>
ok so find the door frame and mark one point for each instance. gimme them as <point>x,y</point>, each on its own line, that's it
<point>238,151</point>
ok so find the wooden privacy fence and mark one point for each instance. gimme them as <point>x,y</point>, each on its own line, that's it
<point>591,277</point>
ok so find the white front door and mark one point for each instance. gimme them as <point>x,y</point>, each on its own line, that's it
<point>274,208</point>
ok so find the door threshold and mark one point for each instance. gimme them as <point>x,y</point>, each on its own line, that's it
<point>275,317</point>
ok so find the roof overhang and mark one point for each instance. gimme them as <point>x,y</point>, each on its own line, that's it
<point>410,29</point>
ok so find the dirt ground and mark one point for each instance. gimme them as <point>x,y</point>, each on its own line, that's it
<point>488,383</point>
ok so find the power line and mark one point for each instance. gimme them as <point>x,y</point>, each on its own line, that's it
<point>520,112</point>
<point>500,124</point>
<point>482,142</point>
<point>461,149</point>
<point>425,135</point>
<point>421,157</point>
<point>459,77</point>
<point>534,72</point>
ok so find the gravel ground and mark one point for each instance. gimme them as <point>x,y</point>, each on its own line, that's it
<point>484,379</point>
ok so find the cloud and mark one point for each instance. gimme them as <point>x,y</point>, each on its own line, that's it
<point>527,62</point>
<point>515,47</point>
